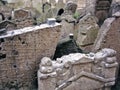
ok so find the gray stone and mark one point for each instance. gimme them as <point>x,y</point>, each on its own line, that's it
<point>0,18</point>
<point>21,14</point>
<point>1,87</point>
<point>70,8</point>
<point>60,4</point>
<point>53,2</point>
<point>79,71</point>
<point>49,14</point>
<point>12,89</point>
<point>115,7</point>
<point>117,14</point>
<point>8,25</point>
<point>67,28</point>
<point>46,7</point>
<point>87,30</point>
<point>102,33</point>
<point>108,36</point>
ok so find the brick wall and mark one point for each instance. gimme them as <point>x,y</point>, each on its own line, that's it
<point>20,54</point>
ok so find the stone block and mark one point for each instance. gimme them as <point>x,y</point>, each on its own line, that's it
<point>21,14</point>
<point>87,31</point>
<point>75,71</point>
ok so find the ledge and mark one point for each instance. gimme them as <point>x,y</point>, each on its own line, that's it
<point>27,29</point>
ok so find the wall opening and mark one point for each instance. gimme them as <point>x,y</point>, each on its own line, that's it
<point>60,12</point>
<point>2,56</point>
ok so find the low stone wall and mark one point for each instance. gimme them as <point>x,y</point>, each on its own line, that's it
<point>94,71</point>
<point>20,54</point>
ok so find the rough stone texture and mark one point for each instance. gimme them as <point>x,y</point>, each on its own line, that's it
<point>24,23</point>
<point>53,2</point>
<point>67,28</point>
<point>5,10</point>
<point>102,10</point>
<point>46,6</point>
<point>9,25</point>
<point>20,54</point>
<point>87,31</point>
<point>115,7</point>
<point>78,71</point>
<point>2,17</point>
<point>70,8</point>
<point>21,14</point>
<point>60,4</point>
<point>81,3</point>
<point>22,18</point>
<point>109,36</point>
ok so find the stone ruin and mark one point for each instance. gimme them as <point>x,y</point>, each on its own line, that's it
<point>22,48</point>
<point>108,35</point>
<point>87,32</point>
<point>18,18</point>
<point>20,54</point>
<point>70,7</point>
<point>94,71</point>
<point>22,18</point>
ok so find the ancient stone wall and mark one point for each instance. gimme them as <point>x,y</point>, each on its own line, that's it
<point>20,54</point>
<point>94,71</point>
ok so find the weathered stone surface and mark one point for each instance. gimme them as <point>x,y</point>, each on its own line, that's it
<point>24,23</point>
<point>67,28</point>
<point>21,51</point>
<point>108,36</point>
<point>87,30</point>
<point>2,17</point>
<point>115,7</point>
<point>49,14</point>
<point>60,4</point>
<point>53,2</point>
<point>9,25</point>
<point>46,6</point>
<point>79,71</point>
<point>22,18</point>
<point>6,11</point>
<point>21,14</point>
<point>117,14</point>
<point>70,8</point>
